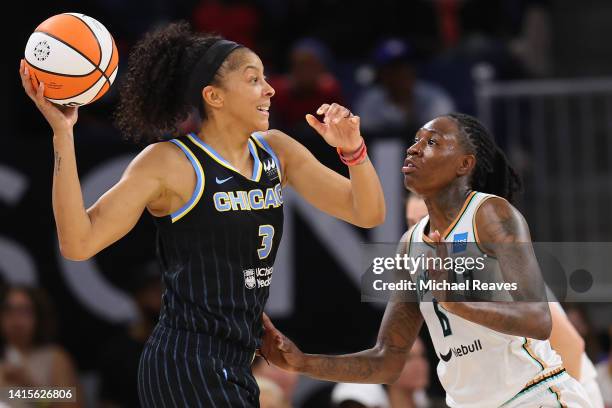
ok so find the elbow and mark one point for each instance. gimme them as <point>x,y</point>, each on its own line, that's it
<point>544,328</point>
<point>391,367</point>
<point>372,220</point>
<point>74,253</point>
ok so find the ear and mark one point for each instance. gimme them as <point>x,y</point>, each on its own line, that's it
<point>467,164</point>
<point>212,96</point>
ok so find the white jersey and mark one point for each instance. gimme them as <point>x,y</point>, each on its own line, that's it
<point>479,367</point>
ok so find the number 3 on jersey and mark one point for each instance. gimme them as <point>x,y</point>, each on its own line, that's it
<point>266,232</point>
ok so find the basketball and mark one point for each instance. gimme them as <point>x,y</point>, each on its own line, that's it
<point>75,56</point>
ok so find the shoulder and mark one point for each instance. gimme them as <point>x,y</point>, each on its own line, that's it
<point>280,142</point>
<point>158,159</point>
<point>499,221</point>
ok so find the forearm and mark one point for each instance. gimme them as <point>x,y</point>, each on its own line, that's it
<point>71,219</point>
<point>367,196</point>
<point>527,319</point>
<point>368,366</point>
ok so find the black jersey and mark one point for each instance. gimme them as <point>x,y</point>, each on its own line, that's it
<point>217,252</point>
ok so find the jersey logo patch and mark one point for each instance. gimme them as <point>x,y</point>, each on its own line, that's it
<point>223,180</point>
<point>460,242</point>
<point>269,167</point>
<point>249,278</point>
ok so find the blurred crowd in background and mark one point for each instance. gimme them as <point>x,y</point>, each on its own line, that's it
<point>396,64</point>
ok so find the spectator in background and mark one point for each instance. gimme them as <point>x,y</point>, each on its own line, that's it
<point>286,380</point>
<point>409,389</point>
<point>30,358</point>
<point>270,394</point>
<point>604,376</point>
<point>307,86</point>
<point>345,395</point>
<point>399,102</point>
<point>120,357</point>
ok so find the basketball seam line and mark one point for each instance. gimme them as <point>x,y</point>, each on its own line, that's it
<point>96,67</point>
<point>94,36</point>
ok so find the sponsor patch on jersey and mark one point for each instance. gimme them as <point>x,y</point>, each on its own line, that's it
<point>460,242</point>
<point>461,350</point>
<point>249,278</point>
<point>258,277</point>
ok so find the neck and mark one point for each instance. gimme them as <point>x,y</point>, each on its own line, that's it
<point>229,140</point>
<point>400,398</point>
<point>444,206</point>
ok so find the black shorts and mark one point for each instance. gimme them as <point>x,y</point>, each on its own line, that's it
<point>179,368</point>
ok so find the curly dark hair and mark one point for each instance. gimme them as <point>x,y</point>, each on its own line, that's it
<point>493,173</point>
<point>152,99</point>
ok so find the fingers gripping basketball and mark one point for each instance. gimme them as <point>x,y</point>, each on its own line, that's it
<point>75,56</point>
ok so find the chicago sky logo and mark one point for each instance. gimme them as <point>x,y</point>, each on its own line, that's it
<point>460,242</point>
<point>269,167</point>
<point>461,350</point>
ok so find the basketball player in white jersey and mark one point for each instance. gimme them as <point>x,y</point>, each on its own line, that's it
<point>492,354</point>
<point>564,338</point>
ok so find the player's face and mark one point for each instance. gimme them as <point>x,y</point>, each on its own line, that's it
<point>435,158</point>
<point>247,95</point>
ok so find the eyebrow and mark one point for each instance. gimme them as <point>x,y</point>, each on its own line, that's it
<point>250,66</point>
<point>430,130</point>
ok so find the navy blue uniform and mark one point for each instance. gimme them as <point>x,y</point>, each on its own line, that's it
<point>217,254</point>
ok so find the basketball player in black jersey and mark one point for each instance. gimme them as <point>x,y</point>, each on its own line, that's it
<point>216,197</point>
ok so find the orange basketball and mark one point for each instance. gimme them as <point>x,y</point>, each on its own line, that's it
<point>75,56</point>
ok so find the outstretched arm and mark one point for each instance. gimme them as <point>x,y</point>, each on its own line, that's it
<point>358,200</point>
<point>504,234</point>
<point>383,363</point>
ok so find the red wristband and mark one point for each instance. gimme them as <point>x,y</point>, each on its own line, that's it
<point>356,158</point>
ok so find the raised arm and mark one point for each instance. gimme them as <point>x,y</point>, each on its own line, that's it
<point>504,234</point>
<point>84,232</point>
<point>358,200</point>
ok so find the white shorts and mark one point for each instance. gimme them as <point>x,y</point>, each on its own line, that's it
<point>565,393</point>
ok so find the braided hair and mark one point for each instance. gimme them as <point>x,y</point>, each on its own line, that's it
<point>493,173</point>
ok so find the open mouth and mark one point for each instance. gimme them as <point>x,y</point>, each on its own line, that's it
<point>408,167</point>
<point>265,109</point>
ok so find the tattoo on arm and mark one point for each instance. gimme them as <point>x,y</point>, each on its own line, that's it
<point>400,326</point>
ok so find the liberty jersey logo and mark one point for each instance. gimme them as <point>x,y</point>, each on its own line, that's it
<point>460,242</point>
<point>269,167</point>
<point>249,278</point>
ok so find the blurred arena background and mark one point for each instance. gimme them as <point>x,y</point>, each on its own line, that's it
<point>539,73</point>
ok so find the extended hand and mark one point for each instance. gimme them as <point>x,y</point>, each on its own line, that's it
<point>279,350</point>
<point>339,127</point>
<point>60,119</point>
